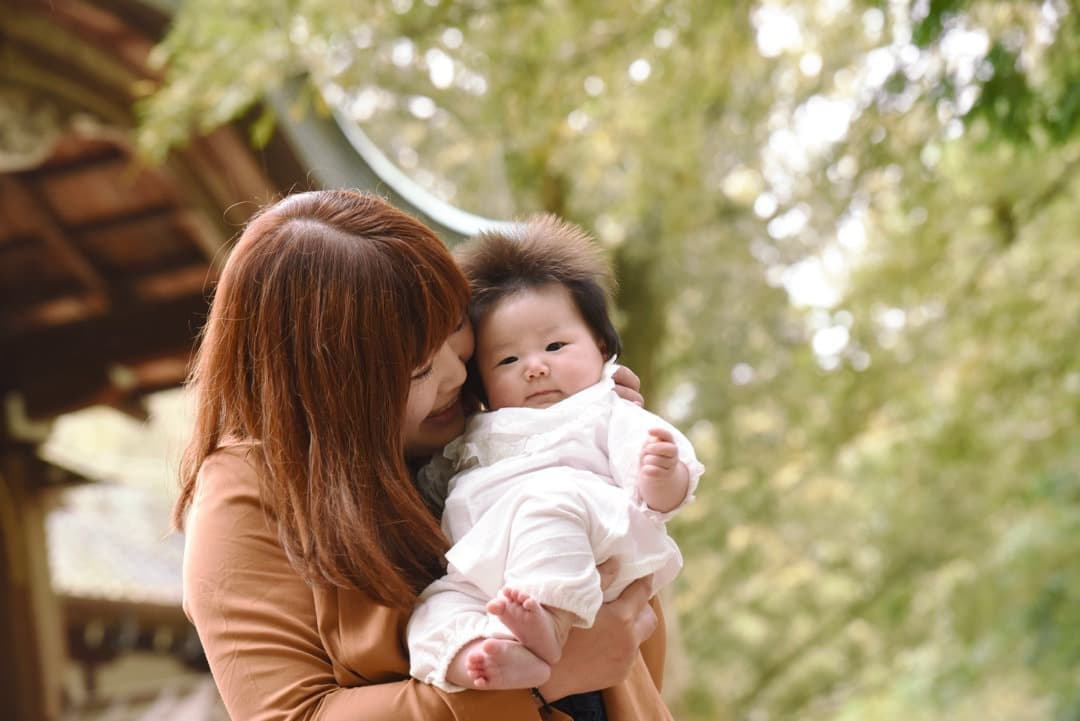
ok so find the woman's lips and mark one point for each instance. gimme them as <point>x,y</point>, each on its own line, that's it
<point>447,412</point>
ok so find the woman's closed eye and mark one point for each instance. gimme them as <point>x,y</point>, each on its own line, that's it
<point>422,373</point>
<point>554,346</point>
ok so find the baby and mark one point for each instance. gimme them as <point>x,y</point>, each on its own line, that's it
<point>558,475</point>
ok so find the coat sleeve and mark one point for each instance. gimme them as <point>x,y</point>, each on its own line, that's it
<point>639,696</point>
<point>258,623</point>
<point>654,650</point>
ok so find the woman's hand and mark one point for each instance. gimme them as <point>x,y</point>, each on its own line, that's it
<point>628,385</point>
<point>601,656</point>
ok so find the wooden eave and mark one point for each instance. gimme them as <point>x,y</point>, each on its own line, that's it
<point>106,264</point>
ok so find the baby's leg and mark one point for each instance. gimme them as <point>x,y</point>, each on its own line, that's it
<point>490,664</point>
<point>550,562</point>
<point>541,629</point>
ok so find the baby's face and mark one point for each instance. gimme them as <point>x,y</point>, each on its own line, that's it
<point>534,349</point>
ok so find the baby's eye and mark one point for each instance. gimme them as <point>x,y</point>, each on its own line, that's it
<point>554,346</point>
<point>507,360</point>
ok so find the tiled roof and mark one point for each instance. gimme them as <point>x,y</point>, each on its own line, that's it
<point>111,541</point>
<point>109,538</point>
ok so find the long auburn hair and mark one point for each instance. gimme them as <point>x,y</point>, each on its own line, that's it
<point>326,306</point>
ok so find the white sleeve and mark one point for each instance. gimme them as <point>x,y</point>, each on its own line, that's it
<point>627,432</point>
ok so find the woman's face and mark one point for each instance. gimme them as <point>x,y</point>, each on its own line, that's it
<point>433,413</point>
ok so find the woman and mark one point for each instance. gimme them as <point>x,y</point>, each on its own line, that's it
<point>334,351</point>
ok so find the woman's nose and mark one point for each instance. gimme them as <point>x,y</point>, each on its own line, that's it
<point>454,364</point>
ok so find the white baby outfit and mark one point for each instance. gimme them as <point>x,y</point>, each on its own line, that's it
<point>535,498</point>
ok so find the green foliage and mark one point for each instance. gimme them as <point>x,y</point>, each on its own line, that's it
<point>889,520</point>
<point>1025,93</point>
<point>938,15</point>
<point>219,59</point>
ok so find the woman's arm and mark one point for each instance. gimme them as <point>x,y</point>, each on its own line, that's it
<point>260,626</point>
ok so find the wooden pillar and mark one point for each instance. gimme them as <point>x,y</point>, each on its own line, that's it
<point>30,618</point>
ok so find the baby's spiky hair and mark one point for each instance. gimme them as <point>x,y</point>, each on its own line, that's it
<point>540,250</point>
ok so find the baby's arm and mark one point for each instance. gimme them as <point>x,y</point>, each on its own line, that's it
<point>664,479</point>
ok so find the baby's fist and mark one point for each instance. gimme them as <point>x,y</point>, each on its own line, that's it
<point>659,455</point>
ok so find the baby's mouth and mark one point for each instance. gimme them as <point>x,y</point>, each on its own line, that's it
<point>540,394</point>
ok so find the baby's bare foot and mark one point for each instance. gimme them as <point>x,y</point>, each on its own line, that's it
<point>538,628</point>
<point>504,664</point>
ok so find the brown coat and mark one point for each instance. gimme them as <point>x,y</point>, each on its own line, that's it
<point>281,649</point>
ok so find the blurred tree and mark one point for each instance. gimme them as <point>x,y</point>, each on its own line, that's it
<point>845,236</point>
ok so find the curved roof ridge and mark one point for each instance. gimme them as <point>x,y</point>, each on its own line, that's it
<point>339,153</point>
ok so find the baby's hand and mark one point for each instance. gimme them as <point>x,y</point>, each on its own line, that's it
<point>660,457</point>
<point>664,479</point>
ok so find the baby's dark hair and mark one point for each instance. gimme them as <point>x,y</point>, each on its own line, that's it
<point>540,250</point>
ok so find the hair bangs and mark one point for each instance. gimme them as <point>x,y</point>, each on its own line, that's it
<point>437,292</point>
